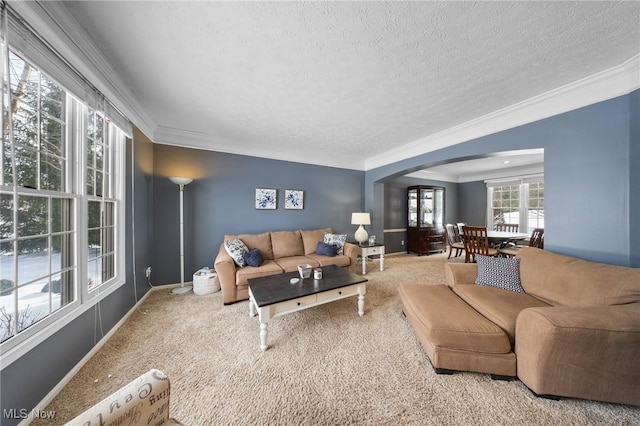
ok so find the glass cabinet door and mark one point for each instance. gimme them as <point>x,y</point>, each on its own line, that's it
<point>426,207</point>
<point>413,207</point>
<point>439,204</point>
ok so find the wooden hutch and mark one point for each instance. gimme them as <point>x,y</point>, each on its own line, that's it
<point>425,228</point>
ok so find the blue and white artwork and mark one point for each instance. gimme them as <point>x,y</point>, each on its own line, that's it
<point>293,199</point>
<point>265,199</point>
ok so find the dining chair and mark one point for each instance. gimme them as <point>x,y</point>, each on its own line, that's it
<point>507,227</point>
<point>536,240</point>
<point>453,238</point>
<point>476,242</point>
<point>460,225</point>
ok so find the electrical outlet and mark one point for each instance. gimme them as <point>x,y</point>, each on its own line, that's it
<point>402,242</point>
<point>148,271</point>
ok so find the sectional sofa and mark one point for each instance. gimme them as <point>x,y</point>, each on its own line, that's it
<point>282,252</point>
<point>574,330</point>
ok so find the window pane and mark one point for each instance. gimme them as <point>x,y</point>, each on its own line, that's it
<point>61,214</point>
<point>33,304</point>
<point>94,270</point>
<point>6,216</point>
<point>51,173</point>
<point>94,214</point>
<point>26,167</point>
<point>95,244</point>
<point>33,259</point>
<point>32,215</point>
<point>62,252</point>
<point>6,271</point>
<point>108,267</point>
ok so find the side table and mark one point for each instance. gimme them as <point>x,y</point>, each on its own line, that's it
<point>370,250</point>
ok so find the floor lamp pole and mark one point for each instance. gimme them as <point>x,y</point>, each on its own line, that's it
<point>181,182</point>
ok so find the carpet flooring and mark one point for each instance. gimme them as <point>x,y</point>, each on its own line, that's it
<point>325,366</point>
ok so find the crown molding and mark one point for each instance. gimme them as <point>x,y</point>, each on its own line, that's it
<point>608,84</point>
<point>53,22</point>
<point>203,141</point>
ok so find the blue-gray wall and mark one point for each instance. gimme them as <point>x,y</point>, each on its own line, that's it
<point>221,200</point>
<point>472,203</point>
<point>25,382</point>
<point>589,194</point>
<point>634,178</point>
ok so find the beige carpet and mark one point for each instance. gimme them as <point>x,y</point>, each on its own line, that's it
<point>325,366</point>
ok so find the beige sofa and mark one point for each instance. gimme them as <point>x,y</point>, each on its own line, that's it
<point>144,401</point>
<point>282,251</point>
<point>573,332</point>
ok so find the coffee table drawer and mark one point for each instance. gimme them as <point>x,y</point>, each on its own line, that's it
<point>291,305</point>
<point>337,293</point>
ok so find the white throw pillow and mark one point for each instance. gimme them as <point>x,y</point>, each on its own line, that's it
<point>337,240</point>
<point>236,249</point>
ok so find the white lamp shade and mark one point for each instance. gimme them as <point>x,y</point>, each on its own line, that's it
<point>360,219</point>
<point>180,180</point>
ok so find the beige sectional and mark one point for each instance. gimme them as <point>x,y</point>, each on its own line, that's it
<point>573,332</point>
<point>282,251</point>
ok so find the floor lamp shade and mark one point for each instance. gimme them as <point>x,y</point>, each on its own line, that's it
<point>181,182</point>
<point>361,219</point>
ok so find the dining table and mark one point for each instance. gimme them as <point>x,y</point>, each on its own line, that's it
<point>498,237</point>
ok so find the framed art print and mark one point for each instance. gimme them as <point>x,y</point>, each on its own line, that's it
<point>265,199</point>
<point>293,199</point>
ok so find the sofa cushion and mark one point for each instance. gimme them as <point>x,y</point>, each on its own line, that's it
<point>310,239</point>
<point>448,322</point>
<point>259,241</point>
<point>338,260</point>
<point>253,257</point>
<point>499,272</point>
<point>236,249</point>
<point>290,264</point>
<point>286,244</point>
<point>268,267</point>
<point>563,280</point>
<point>337,239</point>
<point>325,249</point>
<point>499,306</point>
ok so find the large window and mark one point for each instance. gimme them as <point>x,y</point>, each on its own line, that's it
<point>60,203</point>
<point>518,202</point>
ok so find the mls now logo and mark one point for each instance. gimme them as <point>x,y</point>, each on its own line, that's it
<point>23,413</point>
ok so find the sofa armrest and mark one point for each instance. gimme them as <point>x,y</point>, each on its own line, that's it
<point>460,273</point>
<point>144,401</point>
<point>352,251</point>
<point>581,352</point>
<point>226,269</point>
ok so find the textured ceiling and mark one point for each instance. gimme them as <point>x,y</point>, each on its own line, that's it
<point>320,80</point>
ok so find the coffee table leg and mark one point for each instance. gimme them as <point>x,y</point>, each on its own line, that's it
<point>360,303</point>
<point>252,308</point>
<point>263,336</point>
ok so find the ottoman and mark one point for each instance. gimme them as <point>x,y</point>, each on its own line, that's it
<point>453,334</point>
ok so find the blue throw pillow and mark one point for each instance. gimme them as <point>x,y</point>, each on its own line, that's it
<point>326,249</point>
<point>253,257</point>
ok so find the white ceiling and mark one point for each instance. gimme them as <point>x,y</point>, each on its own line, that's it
<point>346,83</point>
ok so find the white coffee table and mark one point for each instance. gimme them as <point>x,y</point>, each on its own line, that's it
<point>274,295</point>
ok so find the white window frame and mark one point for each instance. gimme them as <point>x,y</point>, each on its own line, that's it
<point>24,341</point>
<point>523,208</point>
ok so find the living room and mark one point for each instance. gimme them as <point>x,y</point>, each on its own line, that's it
<point>589,132</point>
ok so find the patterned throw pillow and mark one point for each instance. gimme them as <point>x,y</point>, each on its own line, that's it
<point>336,239</point>
<point>500,272</point>
<point>236,249</point>
<point>253,257</point>
<point>326,249</point>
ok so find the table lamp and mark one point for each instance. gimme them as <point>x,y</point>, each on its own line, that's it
<point>361,219</point>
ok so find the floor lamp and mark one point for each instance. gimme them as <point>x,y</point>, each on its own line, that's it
<point>181,182</point>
